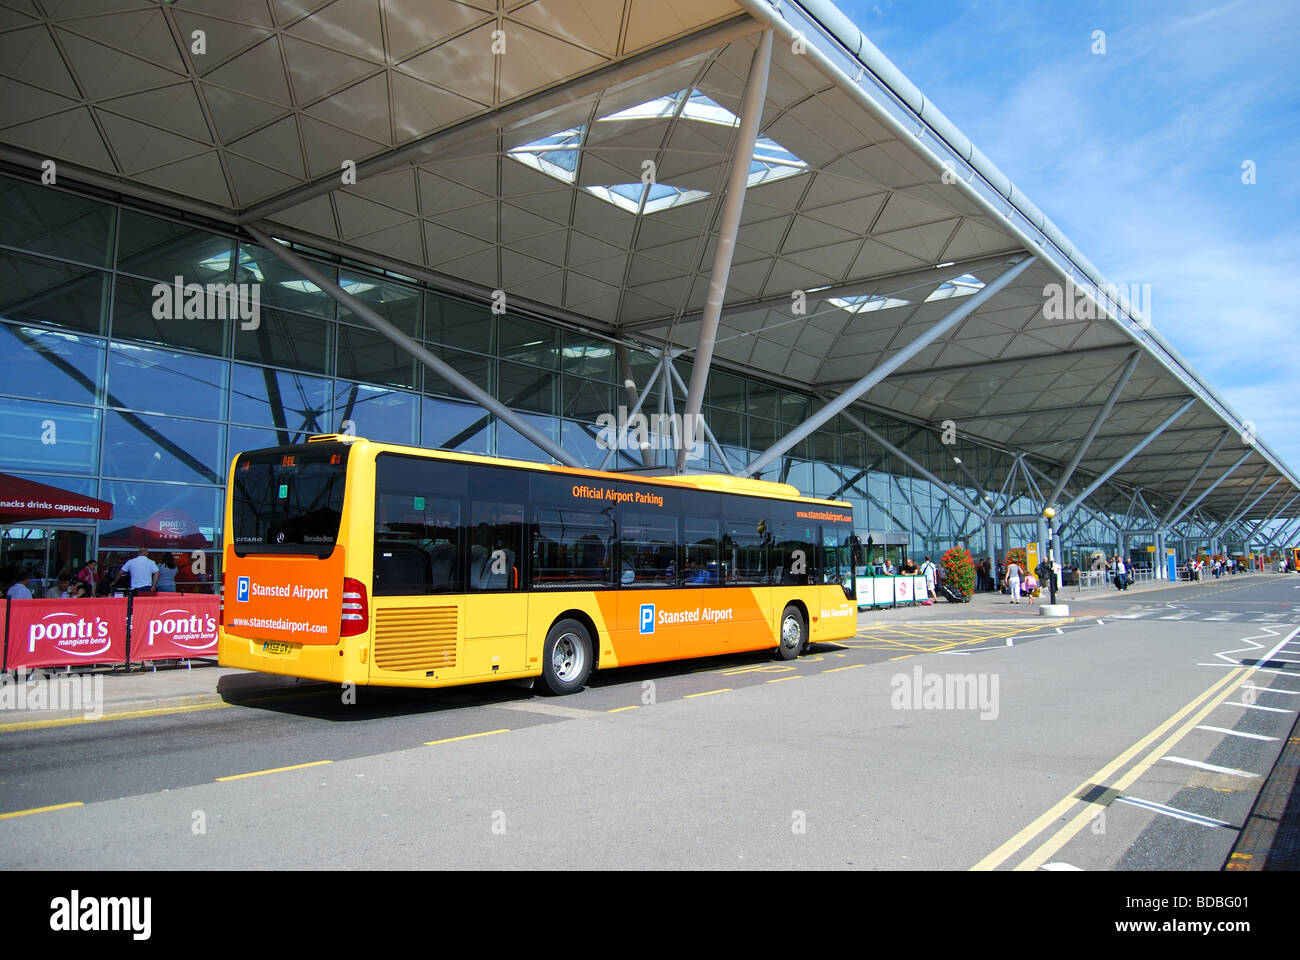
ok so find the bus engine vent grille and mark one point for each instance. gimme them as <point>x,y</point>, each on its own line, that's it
<point>416,638</point>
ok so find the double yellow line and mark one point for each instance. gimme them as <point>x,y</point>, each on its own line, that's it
<point>1200,707</point>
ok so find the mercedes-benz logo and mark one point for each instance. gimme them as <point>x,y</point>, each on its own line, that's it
<point>279,538</point>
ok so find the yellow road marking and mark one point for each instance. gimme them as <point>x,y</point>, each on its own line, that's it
<point>1081,820</point>
<point>635,706</point>
<point>903,657</point>
<point>468,736</point>
<point>124,715</point>
<point>765,668</point>
<point>852,666</point>
<point>707,693</point>
<point>1004,852</point>
<point>57,806</point>
<point>262,773</point>
<point>797,676</point>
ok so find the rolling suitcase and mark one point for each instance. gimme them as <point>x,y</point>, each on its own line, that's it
<point>949,594</point>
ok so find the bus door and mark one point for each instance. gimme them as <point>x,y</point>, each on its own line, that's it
<point>496,604</point>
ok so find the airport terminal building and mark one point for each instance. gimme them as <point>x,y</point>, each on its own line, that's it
<point>639,235</point>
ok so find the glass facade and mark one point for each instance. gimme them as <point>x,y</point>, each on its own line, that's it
<point>113,388</point>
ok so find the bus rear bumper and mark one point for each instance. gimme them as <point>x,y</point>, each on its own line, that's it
<point>310,661</point>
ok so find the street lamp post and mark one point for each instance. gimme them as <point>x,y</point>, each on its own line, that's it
<point>1050,514</point>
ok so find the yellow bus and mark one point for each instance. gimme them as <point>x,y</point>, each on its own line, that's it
<point>359,562</point>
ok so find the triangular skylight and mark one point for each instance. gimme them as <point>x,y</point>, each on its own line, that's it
<point>867,304</point>
<point>962,286</point>
<point>558,154</point>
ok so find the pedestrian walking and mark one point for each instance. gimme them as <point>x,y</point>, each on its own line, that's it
<point>142,571</point>
<point>931,572</point>
<point>1013,580</point>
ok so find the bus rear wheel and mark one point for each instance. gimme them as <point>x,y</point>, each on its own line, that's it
<point>794,636</point>
<point>566,658</point>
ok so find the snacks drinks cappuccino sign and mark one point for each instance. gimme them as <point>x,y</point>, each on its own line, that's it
<point>51,633</point>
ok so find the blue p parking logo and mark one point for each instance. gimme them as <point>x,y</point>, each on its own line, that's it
<point>647,618</point>
<point>241,590</point>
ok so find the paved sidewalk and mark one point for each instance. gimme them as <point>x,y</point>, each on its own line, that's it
<point>984,605</point>
<point>119,694</point>
<point>174,688</point>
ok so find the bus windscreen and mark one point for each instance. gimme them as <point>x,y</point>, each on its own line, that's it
<point>289,501</point>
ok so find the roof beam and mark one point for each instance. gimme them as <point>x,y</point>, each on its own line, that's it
<point>873,285</point>
<point>520,112</point>
<point>1119,464</point>
<point>900,357</point>
<point>1120,383</point>
<point>1166,521</point>
<point>960,368</point>
<point>416,350</point>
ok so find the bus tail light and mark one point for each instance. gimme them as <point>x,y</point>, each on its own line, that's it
<point>356,611</point>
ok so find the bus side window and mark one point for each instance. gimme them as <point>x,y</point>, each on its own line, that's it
<point>701,552</point>
<point>417,538</point>
<point>796,553</point>
<point>649,550</point>
<point>496,546</point>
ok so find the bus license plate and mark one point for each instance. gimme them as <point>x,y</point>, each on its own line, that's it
<point>277,647</point>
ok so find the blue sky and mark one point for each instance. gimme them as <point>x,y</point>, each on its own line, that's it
<point>1137,156</point>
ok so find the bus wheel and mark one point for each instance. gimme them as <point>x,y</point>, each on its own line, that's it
<point>793,634</point>
<point>566,658</point>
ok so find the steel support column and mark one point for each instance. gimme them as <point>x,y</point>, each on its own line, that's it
<point>416,350</point>
<point>1097,421</point>
<point>1237,515</point>
<point>1263,523</point>
<point>1119,464</point>
<point>951,491</point>
<point>840,403</point>
<point>1177,501</point>
<point>751,116</point>
<point>1210,489</point>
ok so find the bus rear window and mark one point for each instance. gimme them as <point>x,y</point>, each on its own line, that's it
<point>289,499</point>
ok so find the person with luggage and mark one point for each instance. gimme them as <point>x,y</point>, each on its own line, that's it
<point>931,572</point>
<point>1121,573</point>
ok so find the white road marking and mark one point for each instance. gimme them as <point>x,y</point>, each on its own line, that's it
<point>1224,615</point>
<point>1235,733</point>
<point>1211,767</point>
<point>1058,865</point>
<point>1173,811</point>
<point>1255,706</point>
<point>1174,616</point>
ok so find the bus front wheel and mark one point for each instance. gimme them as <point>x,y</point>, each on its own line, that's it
<point>793,634</point>
<point>566,658</point>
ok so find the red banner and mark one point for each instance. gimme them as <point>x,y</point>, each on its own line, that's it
<point>52,633</point>
<point>173,626</point>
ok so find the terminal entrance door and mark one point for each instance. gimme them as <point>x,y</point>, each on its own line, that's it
<point>47,552</point>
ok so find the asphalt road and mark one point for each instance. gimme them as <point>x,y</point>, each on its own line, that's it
<point>945,745</point>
